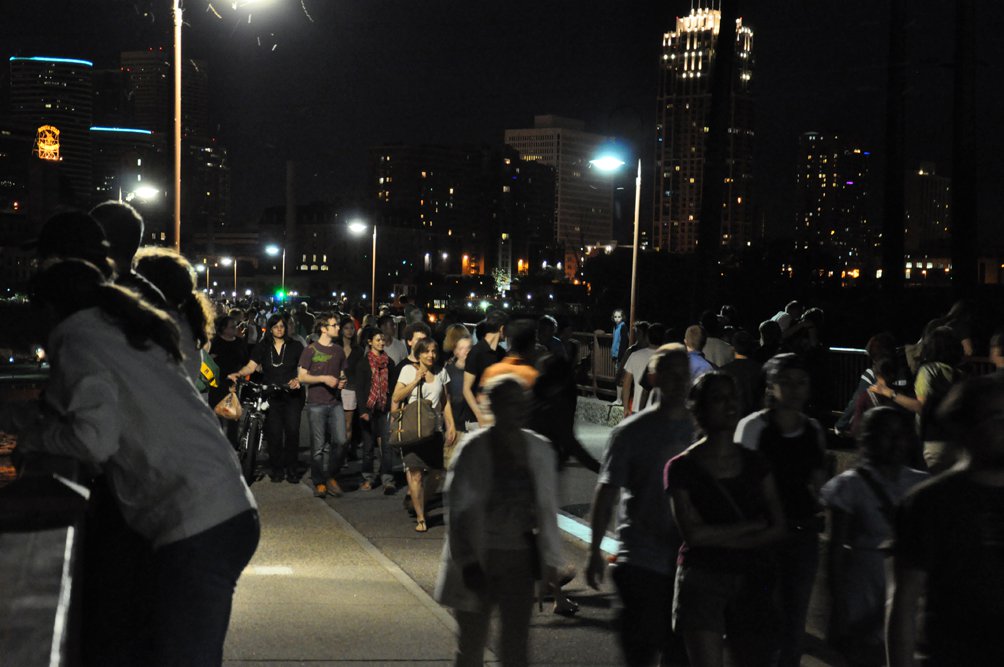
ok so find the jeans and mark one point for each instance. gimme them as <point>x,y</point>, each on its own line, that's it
<point>646,619</point>
<point>377,426</point>
<point>326,455</point>
<point>510,587</point>
<point>282,430</point>
<point>798,558</point>
<point>194,582</point>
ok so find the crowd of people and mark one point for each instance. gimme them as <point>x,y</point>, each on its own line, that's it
<point>719,472</point>
<point>722,474</point>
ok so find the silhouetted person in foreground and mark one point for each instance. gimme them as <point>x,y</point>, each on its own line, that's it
<point>123,227</point>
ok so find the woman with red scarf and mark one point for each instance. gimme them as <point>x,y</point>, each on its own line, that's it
<point>373,393</point>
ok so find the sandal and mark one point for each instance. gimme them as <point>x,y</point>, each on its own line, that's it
<point>420,526</point>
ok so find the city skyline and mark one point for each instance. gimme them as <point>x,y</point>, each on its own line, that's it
<point>348,78</point>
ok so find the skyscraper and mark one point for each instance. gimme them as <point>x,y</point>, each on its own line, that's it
<point>928,216</point>
<point>684,103</point>
<point>55,94</point>
<point>151,93</point>
<point>583,196</point>
<point>835,209</point>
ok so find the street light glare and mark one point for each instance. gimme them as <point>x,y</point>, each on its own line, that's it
<point>226,261</point>
<point>357,227</point>
<point>272,250</point>
<point>146,192</point>
<point>607,163</point>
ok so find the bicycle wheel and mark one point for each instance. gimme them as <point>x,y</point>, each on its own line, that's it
<point>249,443</point>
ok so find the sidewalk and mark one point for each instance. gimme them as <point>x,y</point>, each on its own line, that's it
<point>318,592</point>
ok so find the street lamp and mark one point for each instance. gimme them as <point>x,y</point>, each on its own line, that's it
<point>200,268</point>
<point>611,163</point>
<point>272,250</point>
<point>227,261</point>
<point>358,227</point>
<point>176,12</point>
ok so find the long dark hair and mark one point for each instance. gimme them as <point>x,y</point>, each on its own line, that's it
<point>72,285</point>
<point>175,278</point>
<point>274,319</point>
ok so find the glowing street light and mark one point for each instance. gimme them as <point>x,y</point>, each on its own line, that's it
<point>272,250</point>
<point>359,227</point>
<point>227,261</point>
<point>610,163</point>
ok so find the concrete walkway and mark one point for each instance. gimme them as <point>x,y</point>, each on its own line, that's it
<point>319,593</point>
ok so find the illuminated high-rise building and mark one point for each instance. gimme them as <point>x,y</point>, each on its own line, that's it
<point>928,216</point>
<point>53,98</point>
<point>835,201</point>
<point>682,120</point>
<point>151,93</point>
<point>583,196</point>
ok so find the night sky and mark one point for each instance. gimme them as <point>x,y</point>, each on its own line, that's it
<point>322,89</point>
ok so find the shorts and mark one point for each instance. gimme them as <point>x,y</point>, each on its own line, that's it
<point>349,399</point>
<point>723,602</point>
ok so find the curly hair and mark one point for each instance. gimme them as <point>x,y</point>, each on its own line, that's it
<point>174,276</point>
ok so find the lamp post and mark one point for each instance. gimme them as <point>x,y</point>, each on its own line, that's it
<point>227,261</point>
<point>610,163</point>
<point>358,227</point>
<point>273,250</point>
<point>176,10</point>
<point>199,268</point>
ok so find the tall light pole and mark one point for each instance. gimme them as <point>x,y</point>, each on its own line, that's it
<point>227,261</point>
<point>357,227</point>
<point>274,250</point>
<point>611,163</point>
<point>177,124</point>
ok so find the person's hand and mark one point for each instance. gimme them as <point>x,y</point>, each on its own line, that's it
<point>596,569</point>
<point>233,377</point>
<point>365,416</point>
<point>294,384</point>
<point>881,388</point>
<point>474,577</point>
<point>451,434</point>
<point>342,383</point>
<point>330,381</point>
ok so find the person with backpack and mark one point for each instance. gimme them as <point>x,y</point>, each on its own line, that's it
<point>938,371</point>
<point>862,503</point>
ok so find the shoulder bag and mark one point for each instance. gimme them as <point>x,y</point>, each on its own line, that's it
<point>412,422</point>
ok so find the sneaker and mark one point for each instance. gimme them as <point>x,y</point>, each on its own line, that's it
<point>616,402</point>
<point>389,489</point>
<point>366,486</point>
<point>320,490</point>
<point>333,488</point>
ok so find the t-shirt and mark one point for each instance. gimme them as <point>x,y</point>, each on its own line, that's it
<point>461,411</point>
<point>636,454</point>
<point>850,494</point>
<point>277,367</point>
<point>718,352</point>
<point>714,507</point>
<point>953,529</point>
<point>320,359</point>
<point>397,350</point>
<point>230,356</point>
<point>637,365</point>
<point>481,357</point>
<point>699,365</point>
<point>793,457</point>
<point>432,391</point>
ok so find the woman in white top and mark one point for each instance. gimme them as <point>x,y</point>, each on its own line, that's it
<point>427,454</point>
<point>119,400</point>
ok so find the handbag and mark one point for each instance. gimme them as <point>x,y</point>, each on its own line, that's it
<point>412,422</point>
<point>230,407</point>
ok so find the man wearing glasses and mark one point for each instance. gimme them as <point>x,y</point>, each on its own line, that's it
<point>322,371</point>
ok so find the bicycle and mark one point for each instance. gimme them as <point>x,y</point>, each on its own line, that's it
<point>251,428</point>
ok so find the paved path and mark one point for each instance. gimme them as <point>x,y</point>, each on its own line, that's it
<point>348,581</point>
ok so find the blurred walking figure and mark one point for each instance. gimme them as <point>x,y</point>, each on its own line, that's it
<point>950,542</point>
<point>726,505</point>
<point>794,445</point>
<point>862,504</point>
<point>502,533</point>
<point>636,454</point>
<point>618,347</point>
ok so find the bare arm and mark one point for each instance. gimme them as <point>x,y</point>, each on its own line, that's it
<point>306,378</point>
<point>402,391</point>
<point>603,505</point>
<point>472,401</point>
<point>901,627</point>
<point>908,402</point>
<point>626,390</point>
<point>775,529</point>
<point>249,368</point>
<point>696,533</point>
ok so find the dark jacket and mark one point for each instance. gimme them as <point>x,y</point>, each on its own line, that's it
<point>364,378</point>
